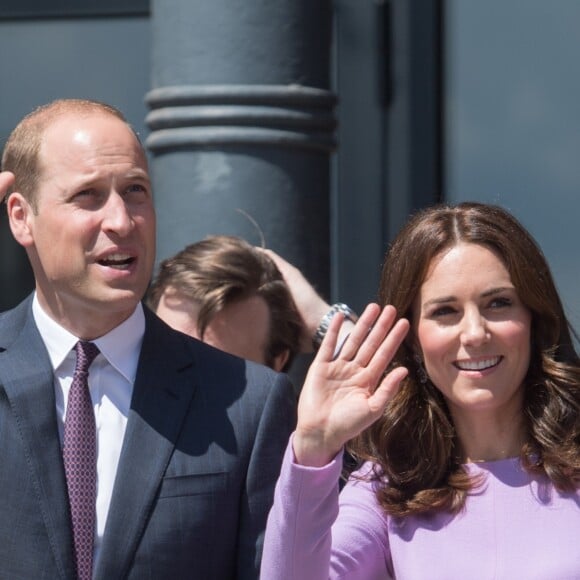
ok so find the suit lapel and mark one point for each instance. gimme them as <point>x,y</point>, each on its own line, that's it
<point>161,398</point>
<point>29,385</point>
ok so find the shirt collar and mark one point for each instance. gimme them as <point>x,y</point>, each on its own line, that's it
<point>121,346</point>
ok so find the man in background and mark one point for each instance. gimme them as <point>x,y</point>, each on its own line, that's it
<point>226,292</point>
<point>245,300</point>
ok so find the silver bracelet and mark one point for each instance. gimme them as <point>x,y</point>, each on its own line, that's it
<point>320,333</point>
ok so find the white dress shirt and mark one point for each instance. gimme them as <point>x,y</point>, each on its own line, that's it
<point>111,379</point>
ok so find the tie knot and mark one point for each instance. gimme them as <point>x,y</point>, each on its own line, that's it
<point>86,353</point>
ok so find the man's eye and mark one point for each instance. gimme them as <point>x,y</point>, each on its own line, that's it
<point>136,193</point>
<point>136,188</point>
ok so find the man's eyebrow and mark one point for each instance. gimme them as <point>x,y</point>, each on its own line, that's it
<point>137,174</point>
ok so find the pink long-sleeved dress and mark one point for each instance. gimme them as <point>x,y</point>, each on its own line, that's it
<point>515,527</point>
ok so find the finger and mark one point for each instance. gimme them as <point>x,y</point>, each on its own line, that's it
<point>376,336</point>
<point>387,390</point>
<point>388,348</point>
<point>6,180</point>
<point>328,344</point>
<point>360,331</point>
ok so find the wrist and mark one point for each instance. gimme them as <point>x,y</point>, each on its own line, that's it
<point>320,332</point>
<point>312,452</point>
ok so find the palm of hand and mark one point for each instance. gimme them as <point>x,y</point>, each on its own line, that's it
<point>343,395</point>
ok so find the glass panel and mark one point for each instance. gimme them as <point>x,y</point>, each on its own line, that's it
<point>512,125</point>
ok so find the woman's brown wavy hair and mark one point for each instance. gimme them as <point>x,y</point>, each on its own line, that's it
<point>414,444</point>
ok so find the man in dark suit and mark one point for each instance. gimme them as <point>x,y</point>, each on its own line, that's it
<point>188,439</point>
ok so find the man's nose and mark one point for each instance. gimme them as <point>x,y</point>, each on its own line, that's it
<point>117,217</point>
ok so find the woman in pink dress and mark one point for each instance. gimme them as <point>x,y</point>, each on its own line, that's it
<point>464,412</point>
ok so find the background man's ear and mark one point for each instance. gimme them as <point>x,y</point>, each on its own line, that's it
<point>280,360</point>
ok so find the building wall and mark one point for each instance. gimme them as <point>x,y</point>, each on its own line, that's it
<point>437,99</point>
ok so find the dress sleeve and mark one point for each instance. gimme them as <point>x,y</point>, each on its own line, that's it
<point>313,533</point>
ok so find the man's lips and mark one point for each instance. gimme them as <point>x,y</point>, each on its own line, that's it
<point>480,364</point>
<point>119,261</point>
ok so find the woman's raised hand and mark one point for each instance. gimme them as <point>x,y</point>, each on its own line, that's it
<point>6,180</point>
<point>343,395</point>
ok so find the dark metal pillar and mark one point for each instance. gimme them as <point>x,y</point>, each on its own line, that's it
<point>242,124</point>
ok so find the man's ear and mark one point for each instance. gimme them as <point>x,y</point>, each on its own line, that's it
<point>280,360</point>
<point>20,216</point>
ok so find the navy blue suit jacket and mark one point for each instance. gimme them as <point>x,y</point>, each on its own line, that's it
<point>203,447</point>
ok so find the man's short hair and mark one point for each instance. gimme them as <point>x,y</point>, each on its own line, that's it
<point>21,152</point>
<point>221,270</point>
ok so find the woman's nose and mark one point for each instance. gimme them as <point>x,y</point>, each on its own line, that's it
<point>474,330</point>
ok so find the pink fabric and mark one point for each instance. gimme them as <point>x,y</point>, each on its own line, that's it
<point>515,527</point>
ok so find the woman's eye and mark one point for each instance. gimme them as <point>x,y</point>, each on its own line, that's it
<point>500,302</point>
<point>442,311</point>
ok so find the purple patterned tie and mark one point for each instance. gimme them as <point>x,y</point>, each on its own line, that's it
<point>80,459</point>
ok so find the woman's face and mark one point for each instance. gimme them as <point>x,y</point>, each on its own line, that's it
<point>473,331</point>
